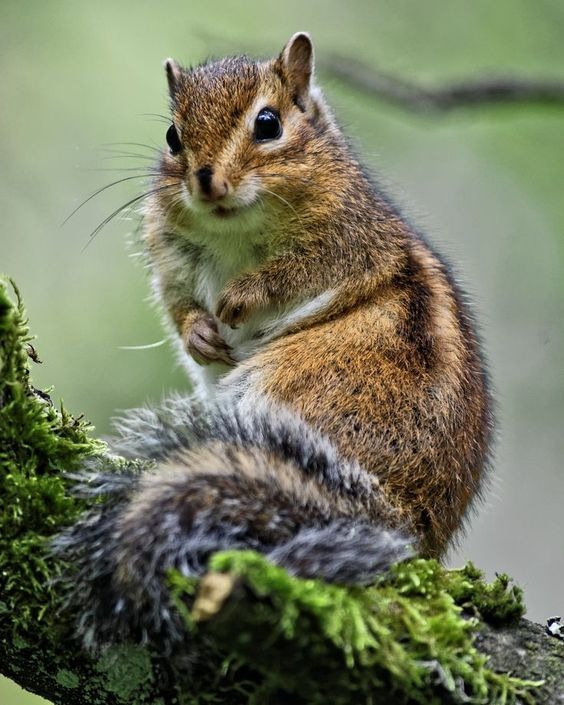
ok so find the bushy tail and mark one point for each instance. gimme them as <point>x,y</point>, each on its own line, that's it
<point>213,480</point>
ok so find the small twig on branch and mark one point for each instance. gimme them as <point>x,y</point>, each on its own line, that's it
<point>473,93</point>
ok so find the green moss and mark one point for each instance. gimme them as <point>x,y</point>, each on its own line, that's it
<point>498,602</point>
<point>322,643</point>
<point>38,444</point>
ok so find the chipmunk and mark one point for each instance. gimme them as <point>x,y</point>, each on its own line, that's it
<point>342,417</point>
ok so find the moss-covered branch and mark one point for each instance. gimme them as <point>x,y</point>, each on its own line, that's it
<point>256,635</point>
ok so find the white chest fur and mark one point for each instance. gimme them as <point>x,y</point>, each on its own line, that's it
<point>206,272</point>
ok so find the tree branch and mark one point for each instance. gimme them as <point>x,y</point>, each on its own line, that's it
<point>65,675</point>
<point>472,93</point>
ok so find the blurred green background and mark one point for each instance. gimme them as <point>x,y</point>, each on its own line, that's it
<point>487,185</point>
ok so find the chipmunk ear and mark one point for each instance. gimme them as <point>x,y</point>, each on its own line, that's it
<point>297,60</point>
<point>173,76</point>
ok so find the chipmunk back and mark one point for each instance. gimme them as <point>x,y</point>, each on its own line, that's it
<point>310,313</point>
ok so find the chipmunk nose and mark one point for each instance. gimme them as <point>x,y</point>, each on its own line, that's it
<point>212,183</point>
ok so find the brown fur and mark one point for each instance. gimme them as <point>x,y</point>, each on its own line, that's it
<point>397,384</point>
<point>390,370</point>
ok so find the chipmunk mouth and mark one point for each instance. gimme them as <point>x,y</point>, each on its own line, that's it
<point>222,212</point>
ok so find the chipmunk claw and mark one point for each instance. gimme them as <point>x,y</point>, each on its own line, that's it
<point>205,344</point>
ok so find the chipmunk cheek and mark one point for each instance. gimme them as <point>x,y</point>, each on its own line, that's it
<point>247,189</point>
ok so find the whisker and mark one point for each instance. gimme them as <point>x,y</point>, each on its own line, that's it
<point>159,120</point>
<point>154,170</point>
<point>129,203</point>
<point>174,201</point>
<point>155,117</point>
<point>147,346</point>
<point>117,154</point>
<point>101,190</point>
<point>150,147</point>
<point>148,170</point>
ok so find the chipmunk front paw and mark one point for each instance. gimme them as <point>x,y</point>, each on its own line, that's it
<point>237,302</point>
<point>205,344</point>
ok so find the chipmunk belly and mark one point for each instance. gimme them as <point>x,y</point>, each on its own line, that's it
<point>217,380</point>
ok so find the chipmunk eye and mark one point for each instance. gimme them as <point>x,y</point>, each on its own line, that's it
<point>267,125</point>
<point>173,140</point>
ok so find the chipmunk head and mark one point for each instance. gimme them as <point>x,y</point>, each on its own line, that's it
<point>245,135</point>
